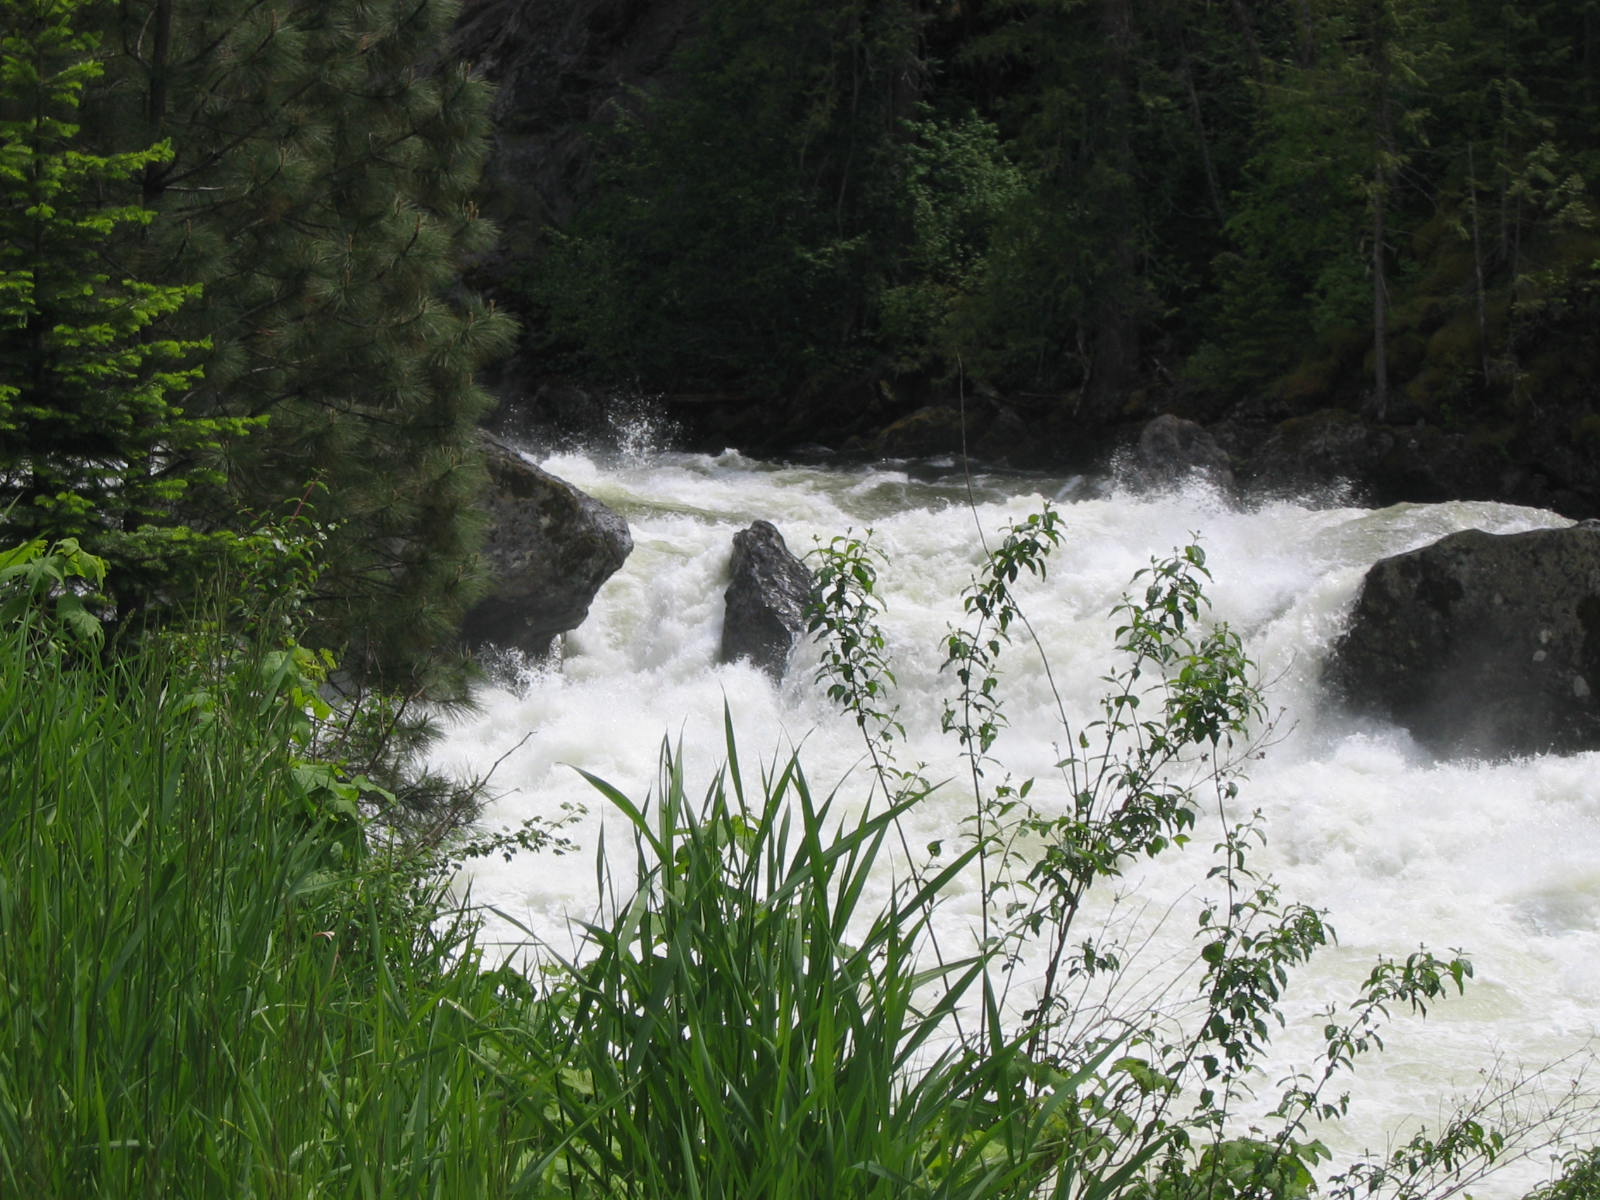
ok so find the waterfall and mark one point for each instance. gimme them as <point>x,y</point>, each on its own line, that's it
<point>1399,850</point>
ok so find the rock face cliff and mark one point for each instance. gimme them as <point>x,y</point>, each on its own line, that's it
<point>1482,643</point>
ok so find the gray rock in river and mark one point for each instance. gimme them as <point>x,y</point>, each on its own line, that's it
<point>1171,448</point>
<point>1482,643</point>
<point>549,548</point>
<point>765,612</point>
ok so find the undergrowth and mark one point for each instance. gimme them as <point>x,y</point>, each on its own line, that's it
<point>218,980</point>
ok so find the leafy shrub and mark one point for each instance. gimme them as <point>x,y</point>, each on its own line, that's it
<point>1580,1178</point>
<point>1153,1106</point>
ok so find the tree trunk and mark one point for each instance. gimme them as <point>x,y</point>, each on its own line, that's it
<point>1308,35</point>
<point>155,174</point>
<point>1213,187</point>
<point>1477,267</point>
<point>1382,158</point>
<point>1380,299</point>
<point>1252,46</point>
<point>1115,322</point>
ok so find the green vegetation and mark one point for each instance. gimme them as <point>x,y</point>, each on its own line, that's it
<point>229,284</point>
<point>778,251</point>
<point>96,445</point>
<point>1384,205</point>
<point>746,1027</point>
<point>1580,1179</point>
<point>321,193</point>
<point>229,241</point>
<point>221,981</point>
<point>212,986</point>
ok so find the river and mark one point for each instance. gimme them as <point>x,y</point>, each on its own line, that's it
<point>1399,850</point>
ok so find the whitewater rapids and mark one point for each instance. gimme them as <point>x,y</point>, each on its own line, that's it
<point>1499,859</point>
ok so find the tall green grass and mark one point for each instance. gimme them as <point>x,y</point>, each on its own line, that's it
<point>202,991</point>
<point>748,1026</point>
<point>211,985</point>
<point>208,990</point>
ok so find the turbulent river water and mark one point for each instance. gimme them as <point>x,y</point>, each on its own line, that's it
<point>1499,859</point>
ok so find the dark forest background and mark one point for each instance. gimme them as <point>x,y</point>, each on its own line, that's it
<point>803,221</point>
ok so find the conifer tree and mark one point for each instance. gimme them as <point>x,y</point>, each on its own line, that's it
<point>1522,111</point>
<point>321,190</point>
<point>97,438</point>
<point>1323,226</point>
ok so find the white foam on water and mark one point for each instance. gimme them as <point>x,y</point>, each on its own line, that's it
<point>1400,850</point>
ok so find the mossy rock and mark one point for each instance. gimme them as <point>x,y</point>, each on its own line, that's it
<point>1309,452</point>
<point>1385,463</point>
<point>928,431</point>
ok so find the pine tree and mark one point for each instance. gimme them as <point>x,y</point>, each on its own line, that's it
<point>321,191</point>
<point>1522,110</point>
<point>1332,197</point>
<point>98,438</point>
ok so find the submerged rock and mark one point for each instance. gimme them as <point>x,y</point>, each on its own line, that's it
<point>549,548</point>
<point>1481,643</point>
<point>766,600</point>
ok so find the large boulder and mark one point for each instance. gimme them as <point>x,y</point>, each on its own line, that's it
<point>1482,643</point>
<point>927,432</point>
<point>1171,448</point>
<point>766,600</point>
<point>1383,464</point>
<point>549,548</point>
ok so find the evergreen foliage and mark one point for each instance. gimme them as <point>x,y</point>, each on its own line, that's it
<point>740,252</point>
<point>320,191</point>
<point>260,308</point>
<point>100,440</point>
<point>782,215</point>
